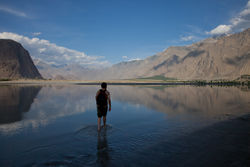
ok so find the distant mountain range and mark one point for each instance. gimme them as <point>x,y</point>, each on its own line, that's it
<point>225,57</point>
<point>15,61</point>
<point>63,72</point>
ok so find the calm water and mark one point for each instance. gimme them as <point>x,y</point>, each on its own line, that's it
<point>57,125</point>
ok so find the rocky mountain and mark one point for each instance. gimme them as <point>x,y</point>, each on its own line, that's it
<point>63,72</point>
<point>225,57</point>
<point>15,61</point>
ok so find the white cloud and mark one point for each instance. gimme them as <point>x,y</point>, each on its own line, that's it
<point>125,57</point>
<point>221,29</point>
<point>135,59</point>
<point>188,38</point>
<point>36,33</point>
<point>12,11</point>
<point>238,23</point>
<point>50,52</point>
<point>245,12</point>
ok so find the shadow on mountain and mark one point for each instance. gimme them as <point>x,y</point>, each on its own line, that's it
<point>14,100</point>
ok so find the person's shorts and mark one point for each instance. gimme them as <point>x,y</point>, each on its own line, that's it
<point>102,111</point>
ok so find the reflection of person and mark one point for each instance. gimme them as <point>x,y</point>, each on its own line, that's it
<point>102,100</point>
<point>102,150</point>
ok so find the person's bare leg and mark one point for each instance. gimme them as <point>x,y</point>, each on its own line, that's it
<point>99,123</point>
<point>104,121</point>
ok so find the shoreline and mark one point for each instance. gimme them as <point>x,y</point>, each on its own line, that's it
<point>126,82</point>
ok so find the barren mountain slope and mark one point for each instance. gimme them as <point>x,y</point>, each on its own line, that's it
<point>15,61</point>
<point>226,57</point>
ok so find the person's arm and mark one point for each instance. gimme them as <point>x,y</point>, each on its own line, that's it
<point>97,94</point>
<point>109,101</point>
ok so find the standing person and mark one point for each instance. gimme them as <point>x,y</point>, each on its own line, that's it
<point>102,100</point>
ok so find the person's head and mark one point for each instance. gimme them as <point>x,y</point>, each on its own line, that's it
<point>104,85</point>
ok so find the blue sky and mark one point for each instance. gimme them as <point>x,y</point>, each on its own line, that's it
<point>111,31</point>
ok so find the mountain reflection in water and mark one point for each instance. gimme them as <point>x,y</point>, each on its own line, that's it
<point>184,102</point>
<point>14,100</point>
<point>56,125</point>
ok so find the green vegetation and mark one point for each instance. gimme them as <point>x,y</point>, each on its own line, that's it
<point>159,80</point>
<point>200,82</point>
<point>162,80</point>
<point>246,76</point>
<point>158,77</point>
<point>220,82</point>
<point>5,79</point>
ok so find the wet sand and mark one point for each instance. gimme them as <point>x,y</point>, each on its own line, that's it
<point>222,144</point>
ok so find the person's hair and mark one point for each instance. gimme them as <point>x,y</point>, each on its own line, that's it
<point>104,85</point>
